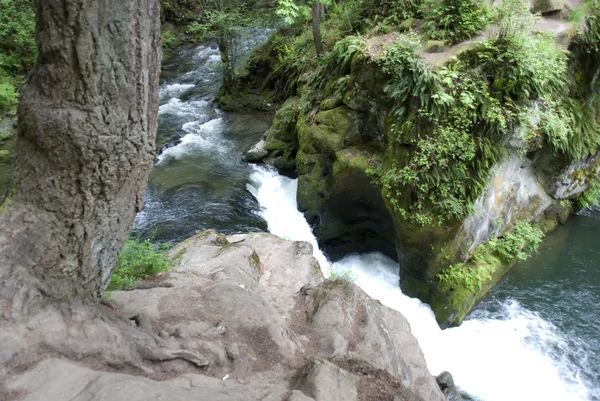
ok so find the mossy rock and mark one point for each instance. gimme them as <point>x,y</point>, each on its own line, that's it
<point>435,46</point>
<point>331,131</point>
<point>407,25</point>
<point>356,158</point>
<point>547,6</point>
<point>6,157</point>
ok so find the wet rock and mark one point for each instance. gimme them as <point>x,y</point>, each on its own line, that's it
<point>547,6</point>
<point>325,381</point>
<point>446,383</point>
<point>257,152</point>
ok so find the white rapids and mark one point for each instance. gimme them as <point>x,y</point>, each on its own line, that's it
<point>511,355</point>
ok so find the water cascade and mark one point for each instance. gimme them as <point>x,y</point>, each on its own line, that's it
<point>504,351</point>
<point>511,354</point>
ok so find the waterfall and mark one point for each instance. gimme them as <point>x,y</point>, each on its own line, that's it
<point>507,354</point>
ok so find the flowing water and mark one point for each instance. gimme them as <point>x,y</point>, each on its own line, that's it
<point>536,337</point>
<point>199,180</point>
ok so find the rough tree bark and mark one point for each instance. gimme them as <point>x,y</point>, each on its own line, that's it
<point>317,17</point>
<point>87,123</point>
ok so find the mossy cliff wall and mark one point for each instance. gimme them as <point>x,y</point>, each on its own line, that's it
<point>439,160</point>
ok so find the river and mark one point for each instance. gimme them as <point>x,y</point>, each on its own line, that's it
<point>535,337</point>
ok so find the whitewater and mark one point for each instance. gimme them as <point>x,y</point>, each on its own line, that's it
<point>511,355</point>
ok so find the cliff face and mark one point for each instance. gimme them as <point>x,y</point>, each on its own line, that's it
<point>439,159</point>
<point>251,318</point>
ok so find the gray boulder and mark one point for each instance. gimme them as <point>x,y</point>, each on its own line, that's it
<point>325,381</point>
<point>547,6</point>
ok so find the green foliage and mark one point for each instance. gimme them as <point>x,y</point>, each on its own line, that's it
<point>332,74</point>
<point>17,47</point>
<point>345,274</point>
<point>517,244</point>
<point>456,118</point>
<point>454,20</point>
<point>139,260</point>
<point>459,274</point>
<point>591,197</point>
<point>393,11</point>
<point>292,11</point>
<point>453,115</point>
<point>513,246</point>
<point>17,35</point>
<point>8,93</point>
<point>169,40</point>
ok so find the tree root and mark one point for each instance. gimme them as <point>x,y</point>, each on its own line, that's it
<point>162,355</point>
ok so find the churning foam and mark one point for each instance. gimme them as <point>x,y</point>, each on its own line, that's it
<point>510,355</point>
<point>277,196</point>
<point>173,90</point>
<point>200,137</point>
<point>184,109</point>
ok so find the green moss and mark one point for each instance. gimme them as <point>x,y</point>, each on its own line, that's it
<point>331,131</point>
<point>434,46</point>
<point>6,157</point>
<point>462,285</point>
<point>357,158</point>
<point>407,25</point>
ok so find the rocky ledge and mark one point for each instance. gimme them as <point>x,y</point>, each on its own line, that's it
<point>251,318</point>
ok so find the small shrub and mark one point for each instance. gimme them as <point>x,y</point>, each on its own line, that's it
<point>345,274</point>
<point>460,274</point>
<point>170,40</point>
<point>513,246</point>
<point>139,260</point>
<point>517,244</point>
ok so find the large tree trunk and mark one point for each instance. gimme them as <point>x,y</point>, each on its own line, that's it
<point>87,123</point>
<point>317,16</point>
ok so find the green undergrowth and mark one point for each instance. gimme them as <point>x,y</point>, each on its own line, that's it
<point>454,120</point>
<point>513,246</point>
<point>591,197</point>
<point>17,48</point>
<point>454,20</point>
<point>139,260</point>
<point>345,274</point>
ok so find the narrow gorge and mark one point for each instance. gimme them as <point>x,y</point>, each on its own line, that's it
<point>354,222</point>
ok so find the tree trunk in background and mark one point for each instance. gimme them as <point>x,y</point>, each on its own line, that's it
<point>317,10</point>
<point>229,79</point>
<point>87,123</point>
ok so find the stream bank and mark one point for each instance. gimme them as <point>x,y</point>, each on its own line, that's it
<point>506,337</point>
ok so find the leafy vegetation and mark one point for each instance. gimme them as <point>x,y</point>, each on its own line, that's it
<point>345,274</point>
<point>591,197</point>
<point>139,260</point>
<point>454,20</point>
<point>516,245</point>
<point>452,130</point>
<point>449,124</point>
<point>17,47</point>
